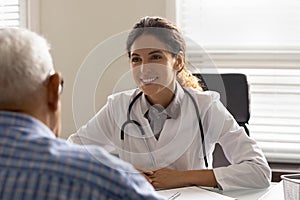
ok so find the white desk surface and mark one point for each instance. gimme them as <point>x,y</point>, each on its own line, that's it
<point>274,192</point>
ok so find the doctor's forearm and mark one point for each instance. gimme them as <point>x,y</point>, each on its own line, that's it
<point>201,178</point>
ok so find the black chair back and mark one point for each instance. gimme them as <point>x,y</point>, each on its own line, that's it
<point>234,94</point>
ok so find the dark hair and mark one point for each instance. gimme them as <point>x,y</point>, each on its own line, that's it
<point>168,34</point>
<point>162,29</point>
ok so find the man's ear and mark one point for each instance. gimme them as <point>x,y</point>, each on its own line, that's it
<point>53,92</point>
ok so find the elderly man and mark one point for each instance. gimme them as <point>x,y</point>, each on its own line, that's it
<point>34,163</point>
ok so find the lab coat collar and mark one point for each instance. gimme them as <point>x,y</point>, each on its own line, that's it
<point>173,109</point>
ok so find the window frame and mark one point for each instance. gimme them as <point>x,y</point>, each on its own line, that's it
<point>29,11</point>
<point>33,15</point>
<point>229,54</point>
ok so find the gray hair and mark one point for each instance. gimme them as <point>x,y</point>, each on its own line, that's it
<point>25,63</point>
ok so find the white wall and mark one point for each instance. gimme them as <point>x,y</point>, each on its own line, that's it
<point>75,27</point>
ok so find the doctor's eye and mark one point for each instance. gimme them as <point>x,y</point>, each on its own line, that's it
<point>156,57</point>
<point>135,60</point>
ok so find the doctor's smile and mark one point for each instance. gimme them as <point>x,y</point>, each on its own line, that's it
<point>148,80</point>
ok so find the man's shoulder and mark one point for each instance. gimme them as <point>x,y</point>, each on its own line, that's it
<point>88,157</point>
<point>50,161</point>
<point>94,166</point>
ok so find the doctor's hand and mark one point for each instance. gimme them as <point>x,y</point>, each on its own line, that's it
<point>145,172</point>
<point>168,178</point>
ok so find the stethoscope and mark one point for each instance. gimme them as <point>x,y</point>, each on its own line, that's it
<point>139,126</point>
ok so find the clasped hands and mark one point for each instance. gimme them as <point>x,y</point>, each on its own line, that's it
<point>164,178</point>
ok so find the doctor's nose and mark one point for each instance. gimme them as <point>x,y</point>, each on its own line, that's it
<point>144,67</point>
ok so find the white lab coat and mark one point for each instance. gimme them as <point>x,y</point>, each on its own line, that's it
<point>179,145</point>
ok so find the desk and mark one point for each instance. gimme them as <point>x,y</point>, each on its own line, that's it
<point>274,192</point>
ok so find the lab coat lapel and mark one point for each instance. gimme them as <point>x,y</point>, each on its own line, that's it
<point>177,136</point>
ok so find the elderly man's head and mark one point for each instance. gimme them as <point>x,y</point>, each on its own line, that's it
<point>28,82</point>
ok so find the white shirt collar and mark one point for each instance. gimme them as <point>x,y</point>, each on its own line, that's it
<point>173,109</point>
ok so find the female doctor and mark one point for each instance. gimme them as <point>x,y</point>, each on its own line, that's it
<point>168,126</point>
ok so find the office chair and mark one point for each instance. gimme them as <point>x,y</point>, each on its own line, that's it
<point>234,94</point>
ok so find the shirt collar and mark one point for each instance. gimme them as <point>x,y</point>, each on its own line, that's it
<point>24,122</point>
<point>173,110</point>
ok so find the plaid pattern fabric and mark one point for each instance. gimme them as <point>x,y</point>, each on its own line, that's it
<point>36,165</point>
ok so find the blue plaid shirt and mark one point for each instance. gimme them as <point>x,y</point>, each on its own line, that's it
<point>36,165</point>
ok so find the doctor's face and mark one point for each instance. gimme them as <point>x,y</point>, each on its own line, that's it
<point>153,67</point>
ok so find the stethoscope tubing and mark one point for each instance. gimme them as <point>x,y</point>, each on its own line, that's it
<point>200,127</point>
<point>129,121</point>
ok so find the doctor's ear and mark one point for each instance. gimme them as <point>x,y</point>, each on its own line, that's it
<point>180,61</point>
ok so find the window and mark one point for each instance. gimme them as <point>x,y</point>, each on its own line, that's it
<point>13,13</point>
<point>260,38</point>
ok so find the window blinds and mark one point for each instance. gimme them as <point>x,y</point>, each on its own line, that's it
<point>272,65</point>
<point>12,13</point>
